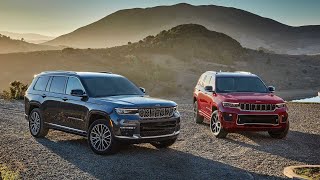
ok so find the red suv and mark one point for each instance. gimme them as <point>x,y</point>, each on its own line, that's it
<point>239,101</point>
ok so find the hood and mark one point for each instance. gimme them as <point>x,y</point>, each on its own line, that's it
<point>267,98</point>
<point>136,101</point>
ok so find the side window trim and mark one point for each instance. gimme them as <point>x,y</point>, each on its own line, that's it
<point>45,89</point>
<point>68,77</point>
<point>49,84</point>
<point>65,84</point>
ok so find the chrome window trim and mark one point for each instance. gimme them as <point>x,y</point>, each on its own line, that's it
<point>65,127</point>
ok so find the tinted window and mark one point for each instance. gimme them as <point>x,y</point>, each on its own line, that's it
<point>240,84</point>
<point>73,83</point>
<point>41,83</point>
<point>208,80</point>
<point>110,86</point>
<point>57,84</point>
<point>212,83</point>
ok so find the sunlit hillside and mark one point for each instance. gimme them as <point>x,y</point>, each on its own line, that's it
<point>170,63</point>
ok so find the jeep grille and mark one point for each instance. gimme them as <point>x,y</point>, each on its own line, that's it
<point>156,112</point>
<point>257,107</point>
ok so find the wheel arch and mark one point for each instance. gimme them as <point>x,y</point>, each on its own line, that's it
<point>96,115</point>
<point>32,106</point>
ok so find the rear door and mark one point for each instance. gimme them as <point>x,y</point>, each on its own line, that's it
<point>55,94</point>
<point>201,95</point>
<point>207,97</point>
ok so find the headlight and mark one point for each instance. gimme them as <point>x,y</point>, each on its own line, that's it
<point>175,109</point>
<point>126,111</point>
<point>281,105</point>
<point>230,104</point>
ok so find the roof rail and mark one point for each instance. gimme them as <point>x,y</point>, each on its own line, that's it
<point>106,72</point>
<point>243,72</point>
<point>59,71</point>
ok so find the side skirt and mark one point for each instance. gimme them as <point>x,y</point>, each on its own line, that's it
<point>66,129</point>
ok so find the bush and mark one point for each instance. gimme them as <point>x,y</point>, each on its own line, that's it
<point>16,91</point>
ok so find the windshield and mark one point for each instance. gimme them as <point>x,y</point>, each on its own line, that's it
<point>240,84</point>
<point>110,86</point>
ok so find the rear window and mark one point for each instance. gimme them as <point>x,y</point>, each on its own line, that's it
<point>58,84</point>
<point>41,83</point>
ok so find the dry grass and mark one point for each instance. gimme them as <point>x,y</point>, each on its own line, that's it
<point>8,174</point>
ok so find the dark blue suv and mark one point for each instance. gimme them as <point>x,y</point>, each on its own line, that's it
<point>107,108</point>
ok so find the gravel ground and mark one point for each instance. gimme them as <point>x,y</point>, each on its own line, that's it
<point>196,155</point>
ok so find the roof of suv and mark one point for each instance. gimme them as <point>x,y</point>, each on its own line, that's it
<point>232,74</point>
<point>80,74</point>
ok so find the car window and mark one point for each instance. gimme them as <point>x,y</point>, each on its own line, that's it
<point>203,80</point>
<point>58,84</point>
<point>212,82</point>
<point>208,81</point>
<point>240,84</point>
<point>110,86</point>
<point>73,83</point>
<point>41,83</point>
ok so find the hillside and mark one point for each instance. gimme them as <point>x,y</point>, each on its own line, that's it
<point>251,30</point>
<point>8,45</point>
<point>28,37</point>
<point>170,63</point>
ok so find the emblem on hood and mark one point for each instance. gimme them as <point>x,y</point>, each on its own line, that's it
<point>157,105</point>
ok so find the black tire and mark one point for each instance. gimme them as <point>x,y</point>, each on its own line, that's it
<point>279,134</point>
<point>216,126</point>
<point>164,144</point>
<point>196,116</point>
<point>36,124</point>
<point>101,138</point>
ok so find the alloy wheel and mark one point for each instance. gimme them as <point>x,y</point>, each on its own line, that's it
<point>195,111</point>
<point>215,125</point>
<point>100,137</point>
<point>35,123</point>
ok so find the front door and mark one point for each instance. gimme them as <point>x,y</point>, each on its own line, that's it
<point>74,108</point>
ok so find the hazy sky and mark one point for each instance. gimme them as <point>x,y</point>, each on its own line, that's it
<point>56,17</point>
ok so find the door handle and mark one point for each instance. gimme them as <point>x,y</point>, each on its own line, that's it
<point>44,95</point>
<point>64,98</point>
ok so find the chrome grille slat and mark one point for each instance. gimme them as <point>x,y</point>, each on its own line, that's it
<point>257,107</point>
<point>164,112</point>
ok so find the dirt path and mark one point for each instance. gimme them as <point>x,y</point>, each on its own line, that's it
<point>196,155</point>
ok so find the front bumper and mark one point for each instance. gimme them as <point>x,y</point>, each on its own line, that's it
<point>231,120</point>
<point>133,129</point>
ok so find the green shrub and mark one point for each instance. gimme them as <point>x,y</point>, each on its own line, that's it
<point>16,91</point>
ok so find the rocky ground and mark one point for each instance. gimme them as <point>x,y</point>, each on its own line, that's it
<point>196,155</point>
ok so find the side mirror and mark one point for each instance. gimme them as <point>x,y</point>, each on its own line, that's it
<point>78,92</point>
<point>208,89</point>
<point>271,89</point>
<point>143,89</point>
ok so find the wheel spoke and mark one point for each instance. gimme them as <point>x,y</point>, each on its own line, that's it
<point>35,122</point>
<point>100,137</point>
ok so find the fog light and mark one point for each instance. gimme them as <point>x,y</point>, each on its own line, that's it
<point>127,131</point>
<point>227,116</point>
<point>284,118</point>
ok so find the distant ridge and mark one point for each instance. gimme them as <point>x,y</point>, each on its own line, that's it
<point>28,37</point>
<point>251,30</point>
<point>8,45</point>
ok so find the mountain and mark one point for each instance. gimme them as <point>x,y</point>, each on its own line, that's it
<point>28,37</point>
<point>170,63</point>
<point>252,31</point>
<point>8,45</point>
